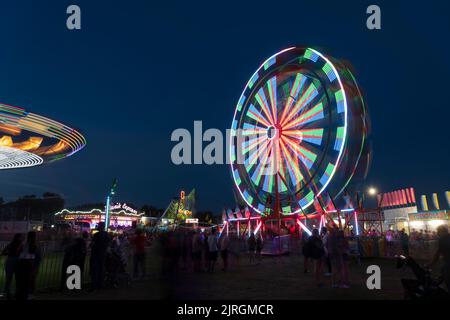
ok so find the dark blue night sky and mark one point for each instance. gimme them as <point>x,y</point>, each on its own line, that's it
<point>138,70</point>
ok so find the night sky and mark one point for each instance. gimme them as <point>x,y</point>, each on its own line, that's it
<point>137,70</point>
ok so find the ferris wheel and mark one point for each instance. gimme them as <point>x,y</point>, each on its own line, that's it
<point>298,131</point>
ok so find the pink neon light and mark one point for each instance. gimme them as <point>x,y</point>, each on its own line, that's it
<point>257,228</point>
<point>405,201</point>
<point>413,196</point>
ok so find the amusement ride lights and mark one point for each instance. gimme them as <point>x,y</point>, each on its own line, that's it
<point>313,104</point>
<point>27,139</point>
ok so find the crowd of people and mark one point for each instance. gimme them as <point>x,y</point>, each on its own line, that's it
<point>326,254</point>
<point>328,248</point>
<point>415,235</point>
<point>22,263</point>
<point>108,259</point>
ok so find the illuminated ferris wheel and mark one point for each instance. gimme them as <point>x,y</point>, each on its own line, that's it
<point>290,132</point>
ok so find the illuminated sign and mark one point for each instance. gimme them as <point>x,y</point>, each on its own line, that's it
<point>429,215</point>
<point>123,206</point>
<point>192,220</point>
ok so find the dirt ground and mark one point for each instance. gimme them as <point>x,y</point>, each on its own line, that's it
<point>275,278</point>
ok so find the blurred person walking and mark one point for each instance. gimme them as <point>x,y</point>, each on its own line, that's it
<point>99,246</point>
<point>139,254</point>
<point>12,253</point>
<point>197,246</point>
<point>444,251</point>
<point>306,252</point>
<point>338,249</point>
<point>223,246</point>
<point>259,247</point>
<point>212,250</point>
<point>389,243</point>
<point>75,254</point>
<point>251,244</point>
<point>404,240</point>
<point>324,235</point>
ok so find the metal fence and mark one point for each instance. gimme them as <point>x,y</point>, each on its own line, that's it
<point>50,270</point>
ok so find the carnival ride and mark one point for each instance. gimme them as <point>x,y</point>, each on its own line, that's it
<point>178,210</point>
<point>298,137</point>
<point>27,139</point>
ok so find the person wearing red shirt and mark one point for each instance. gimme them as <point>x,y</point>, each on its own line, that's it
<point>139,254</point>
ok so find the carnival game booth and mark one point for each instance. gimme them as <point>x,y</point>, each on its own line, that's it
<point>122,216</point>
<point>428,220</point>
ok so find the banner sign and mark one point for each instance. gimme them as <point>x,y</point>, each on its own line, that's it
<point>429,215</point>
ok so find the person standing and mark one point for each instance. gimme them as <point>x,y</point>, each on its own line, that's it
<point>259,247</point>
<point>139,254</point>
<point>12,252</point>
<point>251,243</point>
<point>197,246</point>
<point>80,251</point>
<point>223,245</point>
<point>389,242</point>
<point>404,240</point>
<point>324,235</point>
<point>444,251</point>
<point>75,254</point>
<point>99,246</point>
<point>338,251</point>
<point>317,253</point>
<point>212,250</point>
<point>27,266</point>
<point>67,261</point>
<point>306,251</point>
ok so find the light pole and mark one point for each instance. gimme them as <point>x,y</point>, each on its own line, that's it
<point>108,204</point>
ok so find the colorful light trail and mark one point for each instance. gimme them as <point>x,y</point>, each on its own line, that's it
<point>27,139</point>
<point>294,115</point>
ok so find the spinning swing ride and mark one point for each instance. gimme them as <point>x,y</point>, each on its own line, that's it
<point>28,139</point>
<point>298,136</point>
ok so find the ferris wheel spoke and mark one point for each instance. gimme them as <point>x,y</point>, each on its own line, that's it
<point>313,136</point>
<point>295,174</point>
<point>256,115</point>
<point>316,101</point>
<point>257,174</point>
<point>297,86</point>
<point>268,174</point>
<point>254,155</point>
<point>308,157</point>
<point>251,144</point>
<point>251,129</point>
<point>262,101</point>
<point>313,114</point>
<point>280,168</point>
<point>272,88</point>
<point>304,100</point>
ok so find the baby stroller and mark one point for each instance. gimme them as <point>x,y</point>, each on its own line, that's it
<point>115,267</point>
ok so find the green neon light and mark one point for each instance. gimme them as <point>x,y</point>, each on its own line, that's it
<point>329,169</point>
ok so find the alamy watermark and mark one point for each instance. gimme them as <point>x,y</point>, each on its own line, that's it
<point>73,280</point>
<point>247,146</point>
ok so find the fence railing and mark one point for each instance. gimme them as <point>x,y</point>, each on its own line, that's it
<point>49,272</point>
